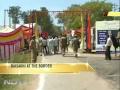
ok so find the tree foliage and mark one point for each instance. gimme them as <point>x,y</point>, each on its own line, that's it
<point>42,18</point>
<point>14,13</point>
<point>71,17</point>
<point>24,16</point>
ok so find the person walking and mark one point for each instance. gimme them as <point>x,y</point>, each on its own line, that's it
<point>50,45</point>
<point>68,42</point>
<point>26,44</point>
<point>75,45</point>
<point>59,47</point>
<point>108,46</point>
<point>40,45</point>
<point>44,45</point>
<point>63,43</point>
<point>56,44</point>
<point>33,48</point>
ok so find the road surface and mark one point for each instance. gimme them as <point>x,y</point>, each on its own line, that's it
<point>106,77</point>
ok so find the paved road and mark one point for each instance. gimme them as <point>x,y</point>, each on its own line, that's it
<point>106,76</point>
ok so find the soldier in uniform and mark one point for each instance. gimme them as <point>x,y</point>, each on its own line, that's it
<point>76,45</point>
<point>63,43</point>
<point>44,44</point>
<point>55,44</point>
<point>33,47</point>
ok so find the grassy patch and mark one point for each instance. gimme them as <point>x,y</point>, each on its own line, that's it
<point>22,80</point>
<point>22,57</point>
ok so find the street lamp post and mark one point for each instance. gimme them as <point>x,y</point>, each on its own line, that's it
<point>9,19</point>
<point>5,17</point>
<point>6,10</point>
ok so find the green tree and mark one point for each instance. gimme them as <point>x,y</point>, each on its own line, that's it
<point>42,18</point>
<point>45,21</point>
<point>24,16</point>
<point>97,9</point>
<point>14,13</point>
<point>71,17</point>
<point>56,30</point>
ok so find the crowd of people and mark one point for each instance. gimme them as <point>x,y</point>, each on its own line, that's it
<point>52,45</point>
<point>59,44</point>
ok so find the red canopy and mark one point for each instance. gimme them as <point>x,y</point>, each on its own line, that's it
<point>27,32</point>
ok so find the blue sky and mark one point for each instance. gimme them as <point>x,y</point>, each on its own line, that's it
<point>36,4</point>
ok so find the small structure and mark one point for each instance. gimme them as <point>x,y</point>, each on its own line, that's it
<point>11,41</point>
<point>104,28</point>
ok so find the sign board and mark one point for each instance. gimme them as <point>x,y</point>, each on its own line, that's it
<point>101,36</point>
<point>103,29</point>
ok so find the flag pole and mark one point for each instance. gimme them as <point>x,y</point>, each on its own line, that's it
<point>36,27</point>
<point>88,33</point>
<point>82,34</point>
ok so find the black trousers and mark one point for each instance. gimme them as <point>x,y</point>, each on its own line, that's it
<point>45,50</point>
<point>107,53</point>
<point>55,49</point>
<point>63,49</point>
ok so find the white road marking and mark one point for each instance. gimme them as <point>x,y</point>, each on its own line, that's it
<point>41,78</point>
<point>41,82</point>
